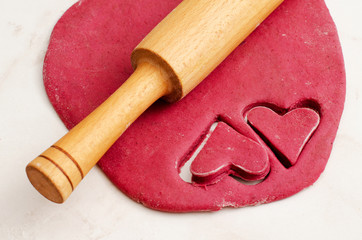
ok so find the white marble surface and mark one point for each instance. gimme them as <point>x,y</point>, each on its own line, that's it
<point>330,209</point>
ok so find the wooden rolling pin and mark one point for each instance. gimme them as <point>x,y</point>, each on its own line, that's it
<point>173,59</point>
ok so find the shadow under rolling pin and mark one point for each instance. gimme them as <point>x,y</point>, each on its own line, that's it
<point>172,60</point>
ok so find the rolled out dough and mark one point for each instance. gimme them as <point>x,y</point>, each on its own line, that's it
<point>293,60</point>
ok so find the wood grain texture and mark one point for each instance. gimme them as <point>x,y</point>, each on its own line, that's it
<point>173,59</point>
<point>63,165</point>
<point>198,35</point>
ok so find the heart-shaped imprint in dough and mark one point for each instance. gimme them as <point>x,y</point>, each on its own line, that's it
<point>286,134</point>
<point>221,157</point>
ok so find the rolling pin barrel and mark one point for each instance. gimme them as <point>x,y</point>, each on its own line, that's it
<point>172,60</point>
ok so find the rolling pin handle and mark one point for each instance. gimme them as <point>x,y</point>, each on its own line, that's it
<point>57,171</point>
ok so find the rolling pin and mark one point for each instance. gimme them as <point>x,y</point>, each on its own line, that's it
<point>169,62</point>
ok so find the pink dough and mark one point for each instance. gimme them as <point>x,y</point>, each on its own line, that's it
<point>228,152</point>
<point>292,60</point>
<point>286,134</point>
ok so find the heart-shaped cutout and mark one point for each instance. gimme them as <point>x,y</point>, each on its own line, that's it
<point>229,152</point>
<point>286,134</point>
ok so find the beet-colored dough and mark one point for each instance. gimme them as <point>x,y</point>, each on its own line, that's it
<point>287,134</point>
<point>228,152</point>
<point>293,60</point>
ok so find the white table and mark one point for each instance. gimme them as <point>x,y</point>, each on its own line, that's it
<point>330,209</point>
